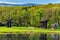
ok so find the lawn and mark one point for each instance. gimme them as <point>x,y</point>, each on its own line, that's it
<point>26,30</point>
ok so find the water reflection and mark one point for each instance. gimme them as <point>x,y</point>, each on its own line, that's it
<point>9,37</point>
<point>34,36</point>
<point>43,36</point>
<point>53,36</point>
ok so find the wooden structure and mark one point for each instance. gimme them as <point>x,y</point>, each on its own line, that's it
<point>44,24</point>
<point>8,23</point>
<point>54,25</point>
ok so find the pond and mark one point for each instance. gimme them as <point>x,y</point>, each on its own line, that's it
<point>33,36</point>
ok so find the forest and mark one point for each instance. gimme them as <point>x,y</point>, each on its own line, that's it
<point>30,15</point>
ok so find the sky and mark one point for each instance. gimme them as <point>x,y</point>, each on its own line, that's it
<point>32,1</point>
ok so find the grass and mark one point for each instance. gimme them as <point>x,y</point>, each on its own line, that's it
<point>14,30</point>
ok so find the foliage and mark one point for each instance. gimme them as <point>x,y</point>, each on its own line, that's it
<point>30,15</point>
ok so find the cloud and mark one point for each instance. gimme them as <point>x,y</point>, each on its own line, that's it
<point>11,3</point>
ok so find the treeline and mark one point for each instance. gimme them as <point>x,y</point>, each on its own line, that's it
<point>30,15</point>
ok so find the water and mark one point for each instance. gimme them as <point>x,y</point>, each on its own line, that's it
<point>33,36</point>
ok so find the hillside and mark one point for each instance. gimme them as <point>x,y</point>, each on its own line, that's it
<point>30,15</point>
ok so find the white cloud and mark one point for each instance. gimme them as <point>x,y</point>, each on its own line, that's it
<point>11,3</point>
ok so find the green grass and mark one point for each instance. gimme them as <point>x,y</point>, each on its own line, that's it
<point>26,30</point>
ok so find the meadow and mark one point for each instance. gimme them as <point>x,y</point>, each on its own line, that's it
<point>28,30</point>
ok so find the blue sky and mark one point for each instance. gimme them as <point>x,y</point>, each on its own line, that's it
<point>32,1</point>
